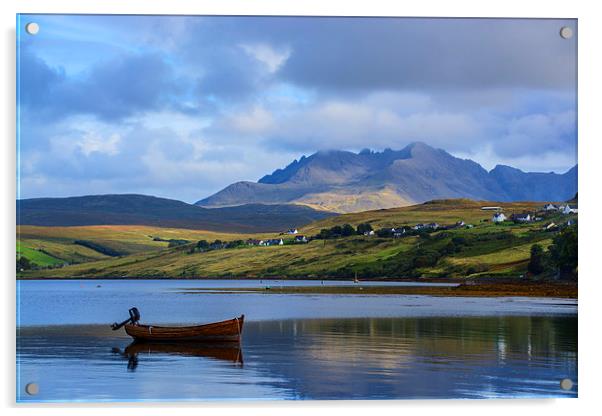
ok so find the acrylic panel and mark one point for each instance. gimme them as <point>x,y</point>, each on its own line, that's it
<point>295,208</point>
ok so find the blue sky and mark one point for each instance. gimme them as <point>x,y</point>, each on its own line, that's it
<point>180,107</point>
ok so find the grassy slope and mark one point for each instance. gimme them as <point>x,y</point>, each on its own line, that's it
<point>129,239</point>
<point>40,258</point>
<point>318,258</point>
<point>443,212</point>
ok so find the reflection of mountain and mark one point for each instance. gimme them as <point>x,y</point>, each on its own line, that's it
<point>149,210</point>
<point>415,357</point>
<point>347,182</point>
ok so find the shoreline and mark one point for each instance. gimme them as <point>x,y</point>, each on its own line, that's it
<point>502,287</point>
<point>523,289</point>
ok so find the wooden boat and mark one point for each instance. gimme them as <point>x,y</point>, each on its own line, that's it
<point>224,331</point>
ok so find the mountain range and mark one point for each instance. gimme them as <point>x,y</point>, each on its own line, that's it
<point>131,209</point>
<point>343,181</point>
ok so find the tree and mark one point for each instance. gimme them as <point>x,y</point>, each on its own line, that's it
<point>324,234</point>
<point>202,245</point>
<point>536,263</point>
<point>347,230</point>
<point>336,231</point>
<point>384,232</point>
<point>23,263</point>
<point>364,228</point>
<point>563,252</point>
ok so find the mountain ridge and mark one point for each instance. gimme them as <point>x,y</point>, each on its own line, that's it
<point>344,181</point>
<point>136,209</point>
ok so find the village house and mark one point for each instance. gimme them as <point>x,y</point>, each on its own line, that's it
<point>292,231</point>
<point>568,209</point>
<point>550,207</point>
<point>498,217</point>
<point>274,242</point>
<point>524,217</point>
<point>252,242</point>
<point>416,227</point>
<point>369,233</point>
<point>460,224</point>
<point>300,239</point>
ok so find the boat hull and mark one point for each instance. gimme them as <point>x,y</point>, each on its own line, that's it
<point>224,331</point>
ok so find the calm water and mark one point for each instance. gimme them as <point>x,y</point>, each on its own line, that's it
<point>294,346</point>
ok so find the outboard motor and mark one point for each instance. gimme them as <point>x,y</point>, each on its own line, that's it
<point>134,315</point>
<point>134,318</point>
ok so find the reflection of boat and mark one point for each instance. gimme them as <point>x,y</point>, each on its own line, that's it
<point>224,331</point>
<point>228,351</point>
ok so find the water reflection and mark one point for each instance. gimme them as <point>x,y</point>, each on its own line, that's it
<point>231,352</point>
<point>367,358</point>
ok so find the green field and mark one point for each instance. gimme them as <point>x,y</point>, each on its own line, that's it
<point>486,249</point>
<point>36,256</point>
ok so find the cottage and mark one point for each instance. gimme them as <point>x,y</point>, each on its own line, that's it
<point>568,209</point>
<point>416,227</point>
<point>571,222</point>
<point>274,242</point>
<point>300,239</point>
<point>550,207</point>
<point>524,217</point>
<point>292,231</point>
<point>460,224</point>
<point>369,233</point>
<point>252,242</point>
<point>498,217</point>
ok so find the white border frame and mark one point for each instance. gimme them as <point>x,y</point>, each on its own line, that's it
<point>590,135</point>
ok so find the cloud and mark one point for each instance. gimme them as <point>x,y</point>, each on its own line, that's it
<point>535,133</point>
<point>183,106</point>
<point>378,121</point>
<point>386,53</point>
<point>267,55</point>
<point>92,142</point>
<point>112,90</point>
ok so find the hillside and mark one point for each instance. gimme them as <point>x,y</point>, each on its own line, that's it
<point>486,249</point>
<point>343,181</point>
<point>161,212</point>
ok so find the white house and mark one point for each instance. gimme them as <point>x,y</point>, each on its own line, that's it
<point>498,217</point>
<point>292,231</point>
<point>274,242</point>
<point>369,233</point>
<point>550,207</point>
<point>300,239</point>
<point>568,209</point>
